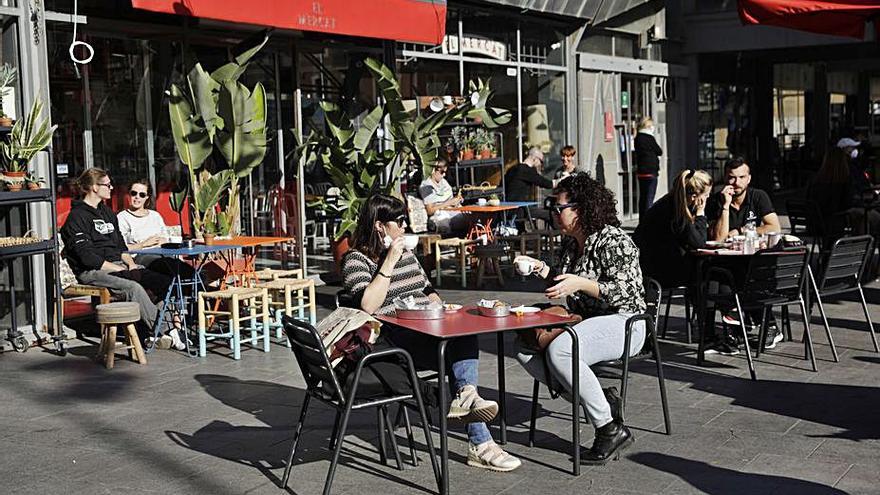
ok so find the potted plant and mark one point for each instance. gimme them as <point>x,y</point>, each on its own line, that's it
<point>494,200</point>
<point>33,182</point>
<point>7,79</point>
<point>469,152</point>
<point>28,137</point>
<point>483,143</point>
<point>460,139</point>
<point>209,227</point>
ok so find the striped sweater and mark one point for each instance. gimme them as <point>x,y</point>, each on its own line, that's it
<point>407,279</point>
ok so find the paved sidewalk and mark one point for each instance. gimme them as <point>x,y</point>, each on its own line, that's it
<point>216,426</point>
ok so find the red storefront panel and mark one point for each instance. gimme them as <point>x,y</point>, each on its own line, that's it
<point>422,21</point>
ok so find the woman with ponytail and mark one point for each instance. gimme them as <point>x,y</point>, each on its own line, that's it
<point>674,225</point>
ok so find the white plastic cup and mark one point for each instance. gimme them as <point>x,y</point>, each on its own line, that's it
<point>481,202</point>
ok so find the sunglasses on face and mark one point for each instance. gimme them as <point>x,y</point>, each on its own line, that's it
<point>400,221</point>
<point>138,194</point>
<point>556,208</point>
<point>105,184</point>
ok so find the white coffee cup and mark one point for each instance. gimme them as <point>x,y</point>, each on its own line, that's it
<point>481,202</point>
<point>524,267</point>
<point>411,241</point>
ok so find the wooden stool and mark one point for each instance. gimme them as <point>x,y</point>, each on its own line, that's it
<point>255,299</point>
<point>273,274</point>
<point>459,248</point>
<point>489,255</point>
<point>281,299</point>
<point>110,316</point>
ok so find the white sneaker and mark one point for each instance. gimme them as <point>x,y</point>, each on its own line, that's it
<point>489,455</point>
<point>469,407</point>
<point>176,342</point>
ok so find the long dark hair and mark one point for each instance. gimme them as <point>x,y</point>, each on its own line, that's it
<point>834,169</point>
<point>378,208</point>
<point>593,202</point>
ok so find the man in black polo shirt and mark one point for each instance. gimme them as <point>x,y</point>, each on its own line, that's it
<point>519,180</point>
<point>738,204</point>
<point>728,212</point>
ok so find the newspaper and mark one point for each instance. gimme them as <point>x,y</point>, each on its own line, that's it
<point>342,321</point>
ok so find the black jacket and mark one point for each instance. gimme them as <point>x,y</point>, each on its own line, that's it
<point>647,154</point>
<point>91,237</point>
<point>664,243</point>
<point>518,182</point>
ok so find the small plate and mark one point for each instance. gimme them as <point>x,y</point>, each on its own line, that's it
<point>452,308</point>
<point>715,244</point>
<point>525,310</point>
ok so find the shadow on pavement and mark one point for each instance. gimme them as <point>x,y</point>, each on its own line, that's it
<point>716,480</point>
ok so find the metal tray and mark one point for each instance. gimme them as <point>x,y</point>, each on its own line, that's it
<point>421,314</point>
<point>496,312</point>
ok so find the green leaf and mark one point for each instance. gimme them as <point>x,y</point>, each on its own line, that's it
<point>211,190</point>
<point>190,138</point>
<point>204,91</point>
<point>241,55</point>
<point>364,135</point>
<point>242,141</point>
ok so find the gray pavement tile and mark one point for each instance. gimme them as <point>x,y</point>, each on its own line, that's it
<point>861,479</point>
<point>844,450</point>
<point>808,470</point>
<point>754,421</point>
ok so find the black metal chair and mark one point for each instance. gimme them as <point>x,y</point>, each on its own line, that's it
<point>652,299</point>
<point>772,279</point>
<point>841,273</point>
<point>671,293</point>
<point>324,385</point>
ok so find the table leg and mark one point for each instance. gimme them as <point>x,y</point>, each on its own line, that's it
<point>502,395</point>
<point>575,402</point>
<point>442,399</point>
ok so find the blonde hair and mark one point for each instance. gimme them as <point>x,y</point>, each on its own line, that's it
<point>645,123</point>
<point>686,183</point>
<point>88,178</point>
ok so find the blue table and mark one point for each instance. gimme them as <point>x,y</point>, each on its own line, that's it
<point>524,205</point>
<point>174,297</point>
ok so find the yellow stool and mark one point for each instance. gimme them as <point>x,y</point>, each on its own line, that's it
<point>459,248</point>
<point>110,316</point>
<point>255,299</point>
<point>274,274</point>
<point>281,300</point>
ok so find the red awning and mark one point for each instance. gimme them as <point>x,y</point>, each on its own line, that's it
<point>422,21</point>
<point>841,18</point>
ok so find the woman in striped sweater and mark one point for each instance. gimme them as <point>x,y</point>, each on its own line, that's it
<point>379,269</point>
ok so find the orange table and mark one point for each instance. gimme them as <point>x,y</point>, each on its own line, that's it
<point>486,213</point>
<point>245,274</point>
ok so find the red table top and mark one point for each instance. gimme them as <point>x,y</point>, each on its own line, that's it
<point>249,241</point>
<point>467,321</point>
<point>484,209</point>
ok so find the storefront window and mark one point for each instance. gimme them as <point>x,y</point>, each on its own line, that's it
<point>543,100</point>
<point>502,80</point>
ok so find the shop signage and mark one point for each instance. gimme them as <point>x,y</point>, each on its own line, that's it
<point>476,45</point>
<point>624,99</point>
<point>609,127</point>
<point>402,20</point>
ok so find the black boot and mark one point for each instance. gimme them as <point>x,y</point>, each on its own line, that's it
<point>616,403</point>
<point>610,440</point>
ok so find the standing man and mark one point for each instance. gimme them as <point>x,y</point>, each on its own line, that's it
<point>647,157</point>
<point>737,204</point>
<point>520,178</point>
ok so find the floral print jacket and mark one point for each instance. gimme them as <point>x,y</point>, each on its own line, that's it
<point>611,258</point>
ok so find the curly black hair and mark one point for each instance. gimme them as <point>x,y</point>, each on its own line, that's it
<point>594,203</point>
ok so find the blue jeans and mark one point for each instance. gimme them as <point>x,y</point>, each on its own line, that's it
<point>462,358</point>
<point>647,190</point>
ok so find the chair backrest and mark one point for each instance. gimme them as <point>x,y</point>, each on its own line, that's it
<point>778,273</point>
<point>797,214</point>
<point>312,359</point>
<point>418,215</point>
<point>846,261</point>
<point>653,292</point>
<point>344,299</point>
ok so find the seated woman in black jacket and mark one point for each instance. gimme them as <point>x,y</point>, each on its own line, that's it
<point>96,252</point>
<point>674,225</point>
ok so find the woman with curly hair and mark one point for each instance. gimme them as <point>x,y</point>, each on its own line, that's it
<point>600,278</point>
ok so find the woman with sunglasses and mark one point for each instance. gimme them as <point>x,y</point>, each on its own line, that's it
<point>377,270</point>
<point>140,226</point>
<point>600,278</point>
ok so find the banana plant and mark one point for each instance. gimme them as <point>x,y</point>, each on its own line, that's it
<point>350,154</point>
<point>213,110</point>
